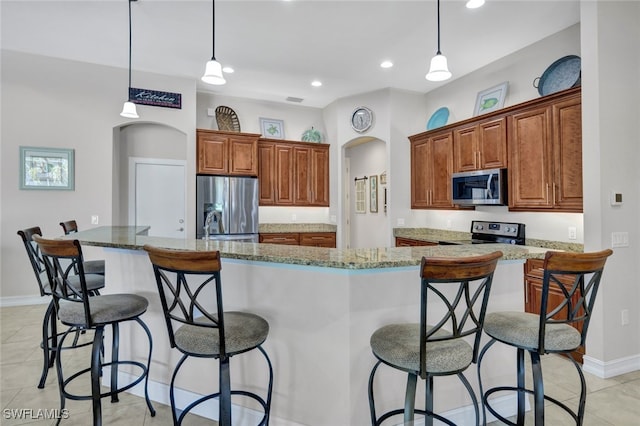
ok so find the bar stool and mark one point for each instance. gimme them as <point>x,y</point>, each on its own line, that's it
<point>572,281</point>
<point>90,266</point>
<point>75,308</point>
<point>49,323</point>
<point>183,277</point>
<point>460,288</point>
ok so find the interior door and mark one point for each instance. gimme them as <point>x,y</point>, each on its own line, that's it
<point>157,196</point>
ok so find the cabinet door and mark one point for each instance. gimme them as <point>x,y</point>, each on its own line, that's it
<point>492,144</point>
<point>302,180</point>
<point>320,176</point>
<point>441,166</point>
<point>212,154</point>
<point>284,174</point>
<point>567,155</point>
<point>530,159</point>
<point>420,179</point>
<point>243,156</point>
<point>267,173</point>
<point>465,149</point>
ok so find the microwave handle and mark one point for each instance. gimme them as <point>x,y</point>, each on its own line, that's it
<point>489,195</point>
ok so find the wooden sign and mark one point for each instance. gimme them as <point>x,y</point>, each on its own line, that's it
<point>155,98</point>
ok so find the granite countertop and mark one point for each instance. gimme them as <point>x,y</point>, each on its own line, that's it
<point>276,228</point>
<point>435,235</point>
<point>131,238</point>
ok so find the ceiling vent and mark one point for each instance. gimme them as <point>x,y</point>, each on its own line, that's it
<point>292,99</point>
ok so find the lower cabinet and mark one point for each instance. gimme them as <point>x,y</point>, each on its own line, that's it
<point>310,239</point>
<point>408,242</point>
<point>533,276</point>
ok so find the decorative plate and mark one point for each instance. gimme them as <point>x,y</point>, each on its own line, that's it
<point>227,119</point>
<point>560,75</point>
<point>311,135</point>
<point>438,119</point>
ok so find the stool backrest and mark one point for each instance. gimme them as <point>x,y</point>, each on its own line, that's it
<point>574,279</point>
<point>63,261</point>
<point>190,289</point>
<point>33,251</point>
<point>457,290</point>
<point>69,226</point>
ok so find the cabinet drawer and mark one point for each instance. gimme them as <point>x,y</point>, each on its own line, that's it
<point>318,239</point>
<point>408,242</point>
<point>282,238</point>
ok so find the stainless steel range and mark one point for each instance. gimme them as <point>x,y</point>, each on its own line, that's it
<point>483,232</point>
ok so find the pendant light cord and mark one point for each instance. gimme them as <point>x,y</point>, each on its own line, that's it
<point>128,94</point>
<point>213,30</point>
<point>438,52</point>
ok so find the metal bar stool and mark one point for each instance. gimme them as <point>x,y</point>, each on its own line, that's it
<point>189,284</point>
<point>460,288</point>
<point>75,308</point>
<point>569,288</point>
<point>90,266</point>
<point>49,324</point>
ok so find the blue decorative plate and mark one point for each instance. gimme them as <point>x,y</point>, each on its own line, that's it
<point>438,119</point>
<point>560,75</point>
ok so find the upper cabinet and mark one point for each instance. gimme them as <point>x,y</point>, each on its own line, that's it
<point>431,169</point>
<point>227,153</point>
<point>293,173</point>
<point>545,155</point>
<point>480,146</point>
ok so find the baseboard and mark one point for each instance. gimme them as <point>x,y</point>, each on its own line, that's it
<point>608,369</point>
<point>23,301</point>
<point>159,393</point>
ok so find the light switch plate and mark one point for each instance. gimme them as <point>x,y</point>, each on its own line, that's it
<point>94,219</point>
<point>619,239</point>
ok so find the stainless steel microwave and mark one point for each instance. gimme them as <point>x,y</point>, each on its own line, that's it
<point>481,187</point>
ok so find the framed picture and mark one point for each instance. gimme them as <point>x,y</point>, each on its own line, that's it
<point>46,168</point>
<point>273,129</point>
<point>360,200</point>
<point>491,99</point>
<point>373,194</point>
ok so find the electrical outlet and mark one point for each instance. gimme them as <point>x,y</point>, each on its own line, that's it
<point>449,224</point>
<point>333,218</point>
<point>293,217</point>
<point>573,233</point>
<point>95,219</point>
<point>624,317</point>
<point>400,221</point>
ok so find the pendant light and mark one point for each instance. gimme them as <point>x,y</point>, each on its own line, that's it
<point>213,70</point>
<point>438,71</point>
<point>129,108</point>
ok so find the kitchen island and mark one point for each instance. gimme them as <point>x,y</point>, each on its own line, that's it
<point>322,306</point>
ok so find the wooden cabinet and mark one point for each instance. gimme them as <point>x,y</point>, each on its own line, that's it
<point>480,146</point>
<point>431,169</point>
<point>293,173</point>
<point>408,242</point>
<point>310,239</point>
<point>318,239</point>
<point>533,276</point>
<point>227,153</point>
<point>545,156</point>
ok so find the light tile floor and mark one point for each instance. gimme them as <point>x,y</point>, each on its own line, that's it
<point>614,401</point>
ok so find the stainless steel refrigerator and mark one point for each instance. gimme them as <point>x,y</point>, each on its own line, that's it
<point>227,207</point>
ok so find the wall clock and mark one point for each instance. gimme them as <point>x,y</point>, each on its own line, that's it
<point>361,119</point>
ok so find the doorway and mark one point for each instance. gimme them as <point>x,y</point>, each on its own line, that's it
<point>157,196</point>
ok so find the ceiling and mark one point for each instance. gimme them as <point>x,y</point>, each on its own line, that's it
<point>278,47</point>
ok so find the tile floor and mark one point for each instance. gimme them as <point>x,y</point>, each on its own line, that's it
<point>613,401</point>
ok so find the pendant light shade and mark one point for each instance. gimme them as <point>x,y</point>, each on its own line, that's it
<point>129,108</point>
<point>213,70</point>
<point>439,69</point>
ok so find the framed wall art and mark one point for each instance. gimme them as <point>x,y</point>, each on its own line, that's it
<point>46,168</point>
<point>373,194</point>
<point>360,198</point>
<point>273,129</point>
<point>491,99</point>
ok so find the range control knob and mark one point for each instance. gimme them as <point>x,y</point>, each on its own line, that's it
<point>479,227</point>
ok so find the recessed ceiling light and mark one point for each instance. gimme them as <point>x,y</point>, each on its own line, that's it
<point>228,70</point>
<point>316,83</point>
<point>472,4</point>
<point>386,64</point>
